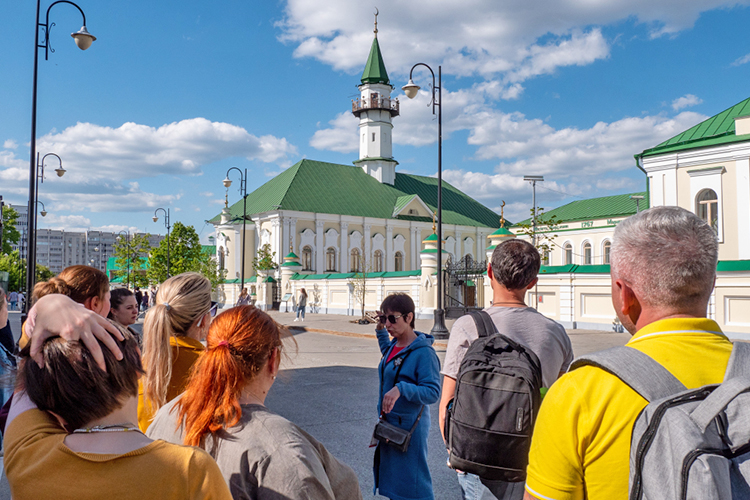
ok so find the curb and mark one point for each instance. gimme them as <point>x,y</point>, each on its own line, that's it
<point>438,343</point>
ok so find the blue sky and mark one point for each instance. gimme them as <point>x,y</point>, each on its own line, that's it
<point>173,94</point>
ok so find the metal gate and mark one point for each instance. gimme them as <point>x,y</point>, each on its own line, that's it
<point>464,286</point>
<point>276,292</point>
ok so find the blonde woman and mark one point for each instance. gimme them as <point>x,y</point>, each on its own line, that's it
<point>172,334</point>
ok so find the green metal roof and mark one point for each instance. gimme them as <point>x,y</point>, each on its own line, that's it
<point>619,205</point>
<point>502,232</point>
<point>330,188</point>
<point>432,237</point>
<point>719,129</point>
<point>576,269</point>
<point>375,68</point>
<point>292,255</point>
<point>401,202</point>
<point>112,264</point>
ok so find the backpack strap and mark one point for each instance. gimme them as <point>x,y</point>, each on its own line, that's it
<point>739,361</point>
<point>485,325</point>
<point>644,375</point>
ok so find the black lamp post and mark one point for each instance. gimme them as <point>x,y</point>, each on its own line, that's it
<point>166,224</point>
<point>243,190</point>
<point>36,176</point>
<point>127,249</point>
<point>83,39</point>
<point>439,330</point>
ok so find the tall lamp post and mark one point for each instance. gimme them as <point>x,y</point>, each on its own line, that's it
<point>36,175</point>
<point>439,329</point>
<point>41,41</point>
<point>127,248</point>
<point>166,224</point>
<point>243,191</point>
<point>533,179</point>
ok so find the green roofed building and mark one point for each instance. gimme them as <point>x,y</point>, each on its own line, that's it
<point>334,217</point>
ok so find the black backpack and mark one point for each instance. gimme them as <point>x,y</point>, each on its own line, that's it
<point>489,422</point>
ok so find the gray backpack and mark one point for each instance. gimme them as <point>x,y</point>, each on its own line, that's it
<point>687,444</point>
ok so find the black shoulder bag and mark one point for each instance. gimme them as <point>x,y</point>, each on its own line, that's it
<point>390,434</point>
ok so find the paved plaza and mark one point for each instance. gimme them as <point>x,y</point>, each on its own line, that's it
<point>329,385</point>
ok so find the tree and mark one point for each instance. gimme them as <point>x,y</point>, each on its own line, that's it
<point>10,233</point>
<point>546,225</point>
<point>185,255</point>
<point>358,282</point>
<point>265,260</point>
<point>135,252</point>
<point>16,269</point>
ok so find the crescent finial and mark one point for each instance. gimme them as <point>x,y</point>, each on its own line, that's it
<point>376,22</point>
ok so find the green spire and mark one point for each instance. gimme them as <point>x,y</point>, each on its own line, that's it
<point>375,68</point>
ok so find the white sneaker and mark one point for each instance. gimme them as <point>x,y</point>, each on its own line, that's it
<point>296,319</point>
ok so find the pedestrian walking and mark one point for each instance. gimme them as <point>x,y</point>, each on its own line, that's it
<point>244,298</point>
<point>409,375</point>
<point>138,297</point>
<point>144,301</point>
<point>152,296</point>
<point>261,454</point>
<point>301,304</point>
<point>512,272</point>
<point>13,297</point>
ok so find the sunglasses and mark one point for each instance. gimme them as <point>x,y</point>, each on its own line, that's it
<point>391,318</point>
<point>214,308</point>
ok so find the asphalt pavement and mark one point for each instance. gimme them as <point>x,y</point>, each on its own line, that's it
<point>328,385</point>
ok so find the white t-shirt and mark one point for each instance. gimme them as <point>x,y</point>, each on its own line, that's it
<point>545,337</point>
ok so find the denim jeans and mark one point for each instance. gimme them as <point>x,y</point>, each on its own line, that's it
<point>472,487</point>
<point>301,311</point>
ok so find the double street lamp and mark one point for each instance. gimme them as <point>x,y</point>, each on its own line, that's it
<point>41,41</point>
<point>127,252</point>
<point>166,224</point>
<point>243,190</point>
<point>37,174</point>
<point>439,330</point>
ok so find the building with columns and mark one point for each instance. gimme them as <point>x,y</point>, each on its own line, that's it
<point>338,219</point>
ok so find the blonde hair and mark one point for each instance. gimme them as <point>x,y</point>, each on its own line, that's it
<point>181,300</point>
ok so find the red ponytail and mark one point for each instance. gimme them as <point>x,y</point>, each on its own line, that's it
<point>240,341</point>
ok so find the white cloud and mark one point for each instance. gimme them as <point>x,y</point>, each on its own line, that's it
<point>66,222</point>
<point>340,137</point>
<point>10,144</point>
<point>686,101</point>
<point>207,194</point>
<point>482,37</point>
<point>741,60</point>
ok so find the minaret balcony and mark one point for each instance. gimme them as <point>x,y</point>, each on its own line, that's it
<point>384,103</point>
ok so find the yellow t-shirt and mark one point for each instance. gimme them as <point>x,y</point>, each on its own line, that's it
<point>40,467</point>
<point>185,352</point>
<point>581,443</point>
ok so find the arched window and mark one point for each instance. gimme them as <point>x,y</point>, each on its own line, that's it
<point>331,260</point>
<point>545,257</point>
<point>568,252</point>
<point>307,259</point>
<point>606,249</point>
<point>587,253</point>
<point>221,258</point>
<point>399,261</point>
<point>378,264</point>
<point>354,260</point>
<point>707,207</point>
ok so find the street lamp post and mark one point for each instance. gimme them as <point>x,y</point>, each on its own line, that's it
<point>166,224</point>
<point>439,329</point>
<point>637,199</point>
<point>37,175</point>
<point>127,258</point>
<point>83,39</point>
<point>243,190</point>
<point>533,179</point>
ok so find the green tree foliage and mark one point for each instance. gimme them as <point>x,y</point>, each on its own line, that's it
<point>133,252</point>
<point>546,226</point>
<point>16,269</point>
<point>185,254</point>
<point>10,233</point>
<point>265,260</point>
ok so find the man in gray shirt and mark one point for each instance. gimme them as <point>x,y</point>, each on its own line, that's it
<point>512,271</point>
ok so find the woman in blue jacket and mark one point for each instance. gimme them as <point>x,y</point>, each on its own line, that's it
<point>405,475</point>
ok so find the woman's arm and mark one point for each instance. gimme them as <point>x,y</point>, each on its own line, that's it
<point>427,389</point>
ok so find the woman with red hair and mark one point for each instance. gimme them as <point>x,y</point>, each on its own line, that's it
<point>261,455</point>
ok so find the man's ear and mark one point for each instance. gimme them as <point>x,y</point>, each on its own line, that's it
<point>629,303</point>
<point>533,283</point>
<point>489,271</point>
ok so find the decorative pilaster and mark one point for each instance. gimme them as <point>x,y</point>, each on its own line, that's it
<point>368,239</point>
<point>344,247</point>
<point>320,243</point>
<point>390,263</point>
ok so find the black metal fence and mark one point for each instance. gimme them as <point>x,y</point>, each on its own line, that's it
<point>464,286</point>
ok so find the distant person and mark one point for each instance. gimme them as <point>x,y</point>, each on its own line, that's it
<point>6,334</point>
<point>512,272</point>
<point>138,297</point>
<point>13,297</point>
<point>262,455</point>
<point>244,298</point>
<point>409,374</point>
<point>301,304</point>
<point>663,272</point>
<point>21,301</point>
<point>172,335</point>
<point>152,297</point>
<point>124,309</point>
<point>144,301</point>
<point>65,440</point>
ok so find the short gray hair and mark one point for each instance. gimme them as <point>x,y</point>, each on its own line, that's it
<point>667,255</point>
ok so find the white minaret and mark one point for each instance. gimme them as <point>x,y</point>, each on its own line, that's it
<point>375,111</point>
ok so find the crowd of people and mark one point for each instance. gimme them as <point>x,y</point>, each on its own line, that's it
<point>179,411</point>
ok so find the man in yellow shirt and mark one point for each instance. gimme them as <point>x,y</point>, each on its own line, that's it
<point>663,271</point>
